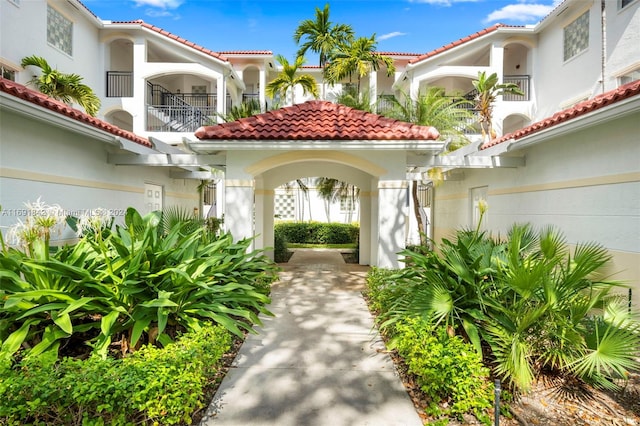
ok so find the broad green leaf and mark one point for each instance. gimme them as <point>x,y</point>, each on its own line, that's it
<point>107,322</point>
<point>64,322</point>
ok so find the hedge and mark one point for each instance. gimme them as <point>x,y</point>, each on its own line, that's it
<point>317,232</point>
<point>151,387</point>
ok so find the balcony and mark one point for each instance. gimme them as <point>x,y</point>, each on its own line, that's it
<point>522,81</point>
<point>119,84</point>
<point>179,112</point>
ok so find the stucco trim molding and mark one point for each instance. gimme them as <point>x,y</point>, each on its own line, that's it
<point>393,184</point>
<point>293,157</point>
<point>64,180</point>
<point>239,183</point>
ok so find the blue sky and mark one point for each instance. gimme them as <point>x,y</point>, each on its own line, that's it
<point>411,26</point>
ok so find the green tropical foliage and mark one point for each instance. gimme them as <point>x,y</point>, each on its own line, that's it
<point>288,79</point>
<point>125,286</point>
<point>488,89</point>
<point>331,190</point>
<point>321,35</point>
<point>151,386</point>
<point>61,86</point>
<point>244,110</point>
<point>529,303</point>
<point>450,115</point>
<point>357,57</point>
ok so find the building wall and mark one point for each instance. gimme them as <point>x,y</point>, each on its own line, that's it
<point>65,168</point>
<point>622,48</point>
<point>24,33</point>
<point>560,83</point>
<point>587,184</point>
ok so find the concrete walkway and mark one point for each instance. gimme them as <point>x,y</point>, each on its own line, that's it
<point>318,362</point>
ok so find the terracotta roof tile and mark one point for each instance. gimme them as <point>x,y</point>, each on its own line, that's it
<point>179,39</point>
<point>24,93</point>
<point>247,52</point>
<point>457,43</point>
<point>582,108</point>
<point>317,120</point>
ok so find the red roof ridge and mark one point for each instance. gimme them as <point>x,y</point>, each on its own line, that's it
<point>22,92</point>
<point>175,37</point>
<point>317,120</point>
<point>605,99</point>
<point>458,42</point>
<point>246,52</point>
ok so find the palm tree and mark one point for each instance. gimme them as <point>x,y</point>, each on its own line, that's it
<point>488,89</point>
<point>63,87</point>
<point>450,115</point>
<point>331,190</point>
<point>321,36</point>
<point>358,57</point>
<point>244,110</point>
<point>288,80</point>
<point>349,97</point>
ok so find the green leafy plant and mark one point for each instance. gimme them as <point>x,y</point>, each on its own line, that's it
<point>447,369</point>
<point>148,387</point>
<point>121,286</point>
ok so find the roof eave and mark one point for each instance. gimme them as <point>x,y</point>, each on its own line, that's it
<point>211,146</point>
<point>616,111</point>
<point>40,113</point>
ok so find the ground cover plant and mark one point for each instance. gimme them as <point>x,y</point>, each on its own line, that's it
<point>530,306</point>
<point>116,291</point>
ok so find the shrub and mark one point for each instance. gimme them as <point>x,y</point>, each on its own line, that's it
<point>447,369</point>
<point>128,284</point>
<point>280,252</point>
<point>152,386</point>
<point>317,232</point>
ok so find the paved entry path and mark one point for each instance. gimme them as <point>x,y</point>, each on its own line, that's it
<point>318,362</point>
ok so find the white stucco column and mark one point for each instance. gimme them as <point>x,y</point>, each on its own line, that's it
<point>239,208</point>
<point>263,86</point>
<point>266,198</point>
<point>221,93</point>
<point>373,87</point>
<point>139,99</point>
<point>392,198</point>
<point>366,201</point>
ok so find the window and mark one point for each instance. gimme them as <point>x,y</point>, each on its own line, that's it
<point>8,73</point>
<point>59,31</point>
<point>347,204</point>
<point>576,36</point>
<point>285,206</point>
<point>624,3</point>
<point>629,77</point>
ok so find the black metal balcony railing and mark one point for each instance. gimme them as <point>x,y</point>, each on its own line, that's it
<point>180,112</point>
<point>119,84</point>
<point>522,81</point>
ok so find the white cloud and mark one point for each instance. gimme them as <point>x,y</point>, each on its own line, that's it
<point>391,35</point>
<point>162,4</point>
<point>521,12</point>
<point>442,2</point>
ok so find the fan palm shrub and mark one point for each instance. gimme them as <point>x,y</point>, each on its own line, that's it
<point>530,304</point>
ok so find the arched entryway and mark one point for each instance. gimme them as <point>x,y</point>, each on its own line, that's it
<point>319,138</point>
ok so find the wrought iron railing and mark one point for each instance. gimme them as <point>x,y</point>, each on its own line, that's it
<point>522,81</point>
<point>174,112</point>
<point>119,84</point>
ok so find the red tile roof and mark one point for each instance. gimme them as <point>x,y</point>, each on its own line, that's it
<point>317,120</point>
<point>580,109</point>
<point>247,52</point>
<point>24,93</point>
<point>457,43</point>
<point>176,38</point>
